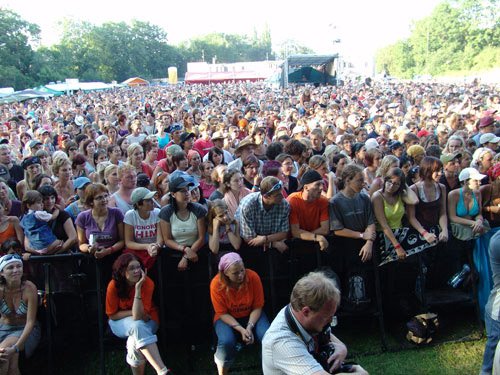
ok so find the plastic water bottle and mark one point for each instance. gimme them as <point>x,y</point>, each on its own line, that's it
<point>459,277</point>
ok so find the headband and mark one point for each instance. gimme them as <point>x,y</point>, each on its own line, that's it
<point>8,259</point>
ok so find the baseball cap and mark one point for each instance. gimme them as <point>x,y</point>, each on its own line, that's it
<point>446,158</point>
<point>179,183</point>
<point>470,173</point>
<point>41,131</point>
<point>395,145</point>
<point>140,194</point>
<point>185,136</point>
<point>371,143</point>
<point>34,143</point>
<point>173,149</point>
<point>298,129</point>
<point>489,138</point>
<point>193,180</point>
<point>80,182</point>
<point>30,161</point>
<point>175,127</point>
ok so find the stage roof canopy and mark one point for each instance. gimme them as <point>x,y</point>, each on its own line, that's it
<point>309,60</point>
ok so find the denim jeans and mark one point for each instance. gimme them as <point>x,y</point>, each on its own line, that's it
<point>138,333</point>
<point>227,338</point>
<point>493,334</point>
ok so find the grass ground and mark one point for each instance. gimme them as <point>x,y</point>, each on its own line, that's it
<point>457,349</point>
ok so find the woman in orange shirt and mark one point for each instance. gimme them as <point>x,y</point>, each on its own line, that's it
<point>132,314</point>
<point>9,226</point>
<point>238,298</point>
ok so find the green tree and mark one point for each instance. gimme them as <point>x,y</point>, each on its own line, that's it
<point>292,47</point>
<point>452,38</point>
<point>16,50</point>
<point>228,48</point>
<point>396,60</point>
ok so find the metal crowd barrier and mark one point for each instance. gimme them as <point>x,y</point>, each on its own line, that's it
<point>271,265</point>
<point>48,294</point>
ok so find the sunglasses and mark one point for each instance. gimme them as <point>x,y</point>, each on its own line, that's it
<point>8,257</point>
<point>277,187</point>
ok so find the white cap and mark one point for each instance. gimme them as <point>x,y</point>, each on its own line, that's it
<point>470,173</point>
<point>489,138</point>
<point>298,129</point>
<point>371,143</point>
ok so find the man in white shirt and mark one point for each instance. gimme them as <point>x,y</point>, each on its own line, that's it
<point>290,344</point>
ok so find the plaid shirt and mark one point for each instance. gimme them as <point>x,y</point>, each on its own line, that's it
<point>255,220</point>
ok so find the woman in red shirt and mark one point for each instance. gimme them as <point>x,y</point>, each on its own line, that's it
<point>132,314</point>
<point>238,298</point>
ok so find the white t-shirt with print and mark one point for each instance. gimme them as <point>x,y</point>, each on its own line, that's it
<point>145,230</point>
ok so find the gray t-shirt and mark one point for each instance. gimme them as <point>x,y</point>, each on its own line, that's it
<point>184,232</point>
<point>354,213</point>
<point>145,230</point>
<point>133,139</point>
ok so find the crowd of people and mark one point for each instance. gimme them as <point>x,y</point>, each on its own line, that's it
<point>366,173</point>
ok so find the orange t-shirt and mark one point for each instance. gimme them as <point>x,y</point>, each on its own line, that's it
<point>308,215</point>
<point>8,233</point>
<point>238,303</point>
<point>115,303</point>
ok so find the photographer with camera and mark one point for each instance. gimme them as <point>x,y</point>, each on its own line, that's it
<point>299,340</point>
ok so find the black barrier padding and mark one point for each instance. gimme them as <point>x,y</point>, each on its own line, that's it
<point>187,303</point>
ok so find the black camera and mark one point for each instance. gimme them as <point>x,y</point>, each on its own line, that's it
<point>326,350</point>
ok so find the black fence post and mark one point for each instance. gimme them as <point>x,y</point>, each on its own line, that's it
<point>48,314</point>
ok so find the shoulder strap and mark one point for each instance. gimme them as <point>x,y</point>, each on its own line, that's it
<point>291,323</point>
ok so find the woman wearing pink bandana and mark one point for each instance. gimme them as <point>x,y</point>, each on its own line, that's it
<point>238,298</point>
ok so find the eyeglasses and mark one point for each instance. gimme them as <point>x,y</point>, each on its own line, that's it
<point>277,187</point>
<point>390,183</point>
<point>133,268</point>
<point>101,197</point>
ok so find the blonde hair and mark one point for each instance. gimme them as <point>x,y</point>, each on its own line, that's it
<point>101,167</point>
<point>108,170</point>
<point>214,208</point>
<point>386,164</point>
<point>317,161</point>
<point>131,149</point>
<point>124,168</point>
<point>58,162</point>
<point>314,290</point>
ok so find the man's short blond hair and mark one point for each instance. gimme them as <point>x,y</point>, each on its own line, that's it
<point>124,169</point>
<point>314,290</point>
